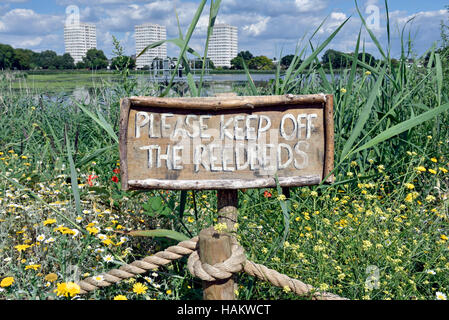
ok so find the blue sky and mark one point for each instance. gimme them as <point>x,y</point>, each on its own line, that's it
<point>266,27</point>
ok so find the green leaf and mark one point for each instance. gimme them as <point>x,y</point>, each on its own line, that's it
<point>156,204</point>
<point>100,120</point>
<point>364,115</point>
<point>73,176</point>
<point>252,86</point>
<point>285,212</point>
<point>182,203</point>
<point>159,233</point>
<point>404,126</point>
<point>192,27</point>
<point>315,53</point>
<point>373,37</point>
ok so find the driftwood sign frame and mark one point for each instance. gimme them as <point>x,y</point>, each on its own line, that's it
<point>309,115</point>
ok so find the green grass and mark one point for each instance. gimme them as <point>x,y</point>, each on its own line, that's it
<point>387,211</point>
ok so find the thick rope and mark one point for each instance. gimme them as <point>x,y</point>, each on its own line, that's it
<point>128,271</point>
<point>206,272</point>
<point>237,261</point>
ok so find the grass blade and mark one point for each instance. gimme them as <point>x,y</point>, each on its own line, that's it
<point>404,126</point>
<point>73,176</point>
<point>100,120</point>
<point>364,115</point>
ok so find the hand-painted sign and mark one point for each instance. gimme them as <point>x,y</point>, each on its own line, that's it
<point>226,142</point>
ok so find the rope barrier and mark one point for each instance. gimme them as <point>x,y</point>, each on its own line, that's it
<point>237,262</point>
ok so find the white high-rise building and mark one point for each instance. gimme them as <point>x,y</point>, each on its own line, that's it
<point>79,38</point>
<point>223,45</point>
<point>147,34</point>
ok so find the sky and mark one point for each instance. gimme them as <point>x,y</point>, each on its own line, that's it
<point>273,28</point>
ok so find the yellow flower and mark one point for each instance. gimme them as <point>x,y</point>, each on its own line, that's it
<point>368,73</point>
<point>22,247</point>
<point>286,289</point>
<point>281,197</point>
<point>444,237</point>
<point>108,242</point>
<point>51,277</point>
<point>60,289</point>
<point>421,169</point>
<point>190,219</point>
<point>411,196</point>
<point>168,292</point>
<point>434,160</point>
<point>432,171</point>
<point>72,289</point>
<point>343,90</point>
<point>139,288</point>
<point>92,230</point>
<point>6,282</point>
<point>33,266</point>
<point>443,169</point>
<point>49,221</point>
<point>120,297</point>
<point>410,186</point>
<point>220,227</point>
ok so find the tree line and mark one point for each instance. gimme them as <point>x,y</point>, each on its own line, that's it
<point>331,58</point>
<point>25,59</point>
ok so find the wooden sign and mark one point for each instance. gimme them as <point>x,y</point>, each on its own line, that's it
<point>226,142</point>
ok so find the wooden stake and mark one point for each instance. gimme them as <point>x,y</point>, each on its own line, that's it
<point>227,203</point>
<point>215,247</point>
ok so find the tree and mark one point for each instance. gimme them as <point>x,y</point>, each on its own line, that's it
<point>245,55</point>
<point>80,65</point>
<point>369,59</point>
<point>47,59</point>
<point>95,59</point>
<point>261,63</point>
<point>335,58</point>
<point>6,56</point>
<point>237,63</point>
<point>287,61</point>
<point>25,59</point>
<point>67,62</point>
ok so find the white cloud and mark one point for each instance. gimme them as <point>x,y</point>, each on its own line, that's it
<point>256,29</point>
<point>310,5</point>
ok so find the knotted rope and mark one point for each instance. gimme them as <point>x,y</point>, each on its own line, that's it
<point>237,262</point>
<point>128,271</point>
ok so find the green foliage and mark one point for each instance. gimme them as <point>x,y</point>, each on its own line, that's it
<point>237,63</point>
<point>95,59</point>
<point>261,63</point>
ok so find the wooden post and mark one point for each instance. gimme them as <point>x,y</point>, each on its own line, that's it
<point>215,247</point>
<point>227,203</point>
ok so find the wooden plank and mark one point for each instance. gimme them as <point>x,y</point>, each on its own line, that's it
<point>223,103</point>
<point>226,143</point>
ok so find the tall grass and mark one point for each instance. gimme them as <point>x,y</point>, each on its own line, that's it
<point>382,211</point>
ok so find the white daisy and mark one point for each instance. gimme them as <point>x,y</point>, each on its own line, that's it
<point>98,278</point>
<point>40,238</point>
<point>108,258</point>
<point>50,240</point>
<point>441,296</point>
<point>430,272</point>
<point>102,236</point>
